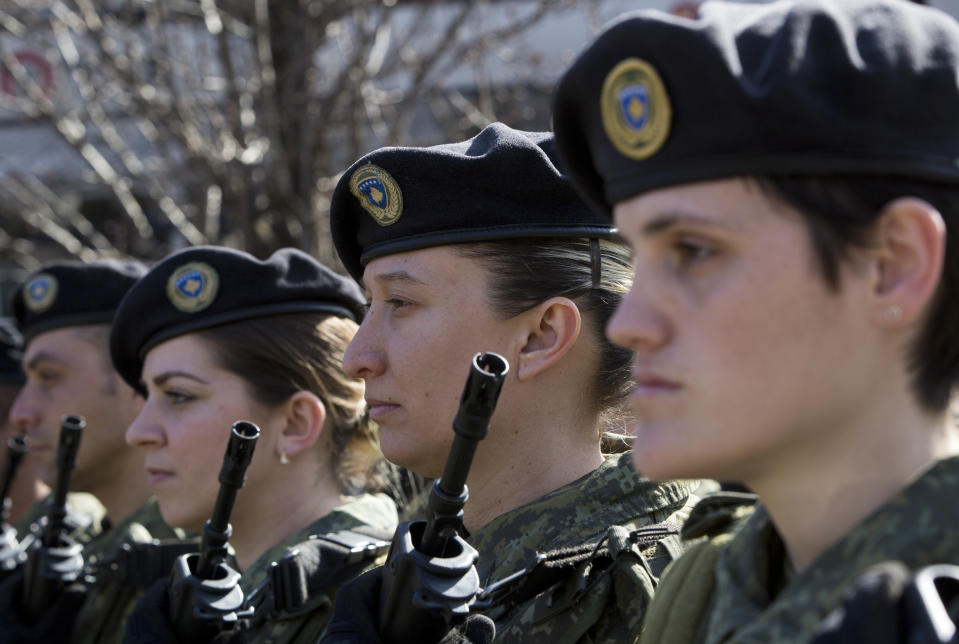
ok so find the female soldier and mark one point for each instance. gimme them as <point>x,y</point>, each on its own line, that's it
<point>795,309</point>
<point>483,246</point>
<point>212,336</point>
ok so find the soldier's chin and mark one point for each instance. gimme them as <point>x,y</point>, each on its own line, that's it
<point>176,516</point>
<point>415,460</point>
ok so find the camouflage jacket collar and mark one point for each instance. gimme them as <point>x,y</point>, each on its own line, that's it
<point>376,511</point>
<point>577,513</point>
<point>142,525</point>
<point>918,526</point>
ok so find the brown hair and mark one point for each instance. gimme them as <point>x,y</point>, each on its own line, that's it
<point>278,355</point>
<point>98,335</point>
<point>840,213</point>
<point>526,272</point>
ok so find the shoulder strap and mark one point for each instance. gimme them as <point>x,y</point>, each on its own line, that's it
<point>683,596</point>
<point>685,592</point>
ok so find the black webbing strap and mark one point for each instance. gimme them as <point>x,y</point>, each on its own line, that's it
<point>324,561</point>
<point>137,565</point>
<point>553,567</point>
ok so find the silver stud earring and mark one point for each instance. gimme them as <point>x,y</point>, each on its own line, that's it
<point>283,459</point>
<point>892,313</point>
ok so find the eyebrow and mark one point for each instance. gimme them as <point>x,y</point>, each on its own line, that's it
<point>397,276</point>
<point>667,220</point>
<point>161,378</point>
<point>42,356</point>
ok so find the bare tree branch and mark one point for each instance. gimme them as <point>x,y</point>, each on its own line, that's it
<point>229,121</point>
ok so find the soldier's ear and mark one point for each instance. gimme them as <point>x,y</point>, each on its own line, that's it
<point>909,247</point>
<point>553,330</point>
<point>305,416</point>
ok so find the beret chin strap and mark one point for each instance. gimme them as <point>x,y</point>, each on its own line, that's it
<point>596,262</point>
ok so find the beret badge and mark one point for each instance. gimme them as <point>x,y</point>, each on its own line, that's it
<point>40,292</point>
<point>635,109</point>
<point>378,194</point>
<point>193,287</point>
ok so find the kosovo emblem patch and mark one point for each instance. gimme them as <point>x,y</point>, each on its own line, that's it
<point>635,109</point>
<point>40,292</point>
<point>378,194</point>
<point>193,287</point>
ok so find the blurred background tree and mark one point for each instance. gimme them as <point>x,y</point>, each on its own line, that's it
<point>137,127</point>
<point>163,123</point>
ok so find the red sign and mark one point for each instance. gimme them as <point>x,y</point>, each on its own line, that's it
<point>686,9</point>
<point>37,66</point>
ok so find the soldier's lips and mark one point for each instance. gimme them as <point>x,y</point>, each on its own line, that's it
<point>156,477</point>
<point>380,409</point>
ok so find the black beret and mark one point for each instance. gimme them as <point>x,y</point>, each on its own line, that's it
<point>71,293</point>
<point>501,184</point>
<point>11,344</point>
<point>205,286</point>
<point>857,87</point>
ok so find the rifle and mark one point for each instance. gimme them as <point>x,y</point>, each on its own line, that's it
<point>933,592</point>
<point>57,560</point>
<point>11,550</point>
<point>889,604</point>
<point>429,579</point>
<point>205,597</point>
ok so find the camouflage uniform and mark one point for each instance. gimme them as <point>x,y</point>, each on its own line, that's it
<point>740,588</point>
<point>587,606</point>
<point>374,514</point>
<point>102,616</point>
<point>86,517</point>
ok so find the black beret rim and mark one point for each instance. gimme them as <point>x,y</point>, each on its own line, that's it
<point>62,321</point>
<point>493,233</point>
<point>241,314</point>
<point>134,368</point>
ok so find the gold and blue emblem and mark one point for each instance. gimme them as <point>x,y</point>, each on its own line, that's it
<point>193,287</point>
<point>635,109</point>
<point>378,193</point>
<point>40,292</point>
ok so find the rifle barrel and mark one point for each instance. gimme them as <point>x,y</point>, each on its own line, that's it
<point>430,577</point>
<point>217,530</point>
<point>71,430</point>
<point>16,448</point>
<point>480,394</point>
<point>59,559</point>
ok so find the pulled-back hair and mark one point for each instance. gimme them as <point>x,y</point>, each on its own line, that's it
<point>840,213</point>
<point>525,272</point>
<point>278,355</point>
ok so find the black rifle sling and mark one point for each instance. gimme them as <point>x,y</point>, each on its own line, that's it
<point>138,565</point>
<point>552,568</point>
<point>311,569</point>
